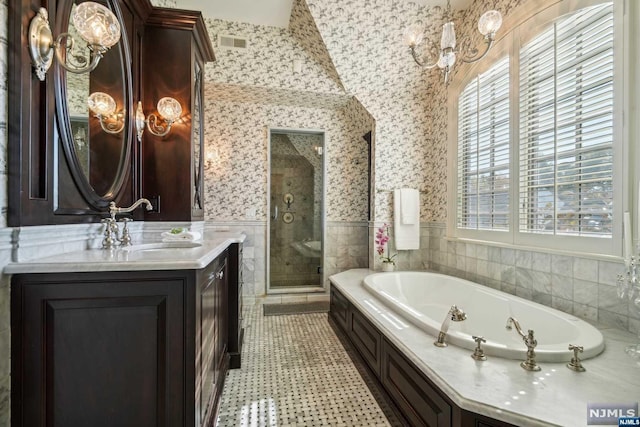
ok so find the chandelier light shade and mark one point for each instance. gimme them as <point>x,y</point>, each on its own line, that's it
<point>169,110</point>
<point>413,35</point>
<point>488,24</point>
<point>448,40</point>
<point>95,23</point>
<point>104,107</point>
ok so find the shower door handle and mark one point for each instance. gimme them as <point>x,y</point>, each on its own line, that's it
<point>275,213</point>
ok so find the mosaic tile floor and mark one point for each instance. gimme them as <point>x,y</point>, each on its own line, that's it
<point>295,372</point>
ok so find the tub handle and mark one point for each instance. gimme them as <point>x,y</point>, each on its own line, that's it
<point>576,363</point>
<point>478,353</point>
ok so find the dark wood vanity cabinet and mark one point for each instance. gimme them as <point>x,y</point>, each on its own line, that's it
<point>236,331</point>
<point>62,167</point>
<point>213,335</point>
<point>129,348</point>
<point>173,165</point>
<point>414,396</point>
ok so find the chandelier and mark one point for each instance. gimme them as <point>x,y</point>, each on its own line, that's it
<point>488,24</point>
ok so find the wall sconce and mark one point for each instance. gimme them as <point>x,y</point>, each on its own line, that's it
<point>96,24</point>
<point>104,108</point>
<point>488,24</point>
<point>318,149</point>
<point>168,108</point>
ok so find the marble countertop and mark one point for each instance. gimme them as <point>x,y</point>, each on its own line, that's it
<point>131,258</point>
<point>500,388</point>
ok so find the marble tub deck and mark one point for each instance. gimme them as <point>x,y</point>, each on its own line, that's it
<point>500,388</point>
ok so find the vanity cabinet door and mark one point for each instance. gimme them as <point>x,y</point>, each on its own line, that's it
<point>213,337</point>
<point>235,305</point>
<point>101,349</point>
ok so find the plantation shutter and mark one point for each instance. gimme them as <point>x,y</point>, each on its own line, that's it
<point>566,127</point>
<point>483,151</point>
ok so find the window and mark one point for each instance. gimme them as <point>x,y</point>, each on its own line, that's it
<point>566,127</point>
<point>483,151</point>
<point>535,137</point>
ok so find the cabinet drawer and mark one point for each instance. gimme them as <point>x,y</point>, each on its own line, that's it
<point>419,401</point>
<point>366,339</point>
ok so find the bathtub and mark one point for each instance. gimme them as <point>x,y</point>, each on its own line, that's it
<point>424,299</point>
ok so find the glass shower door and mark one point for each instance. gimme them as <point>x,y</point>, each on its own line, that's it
<point>296,201</point>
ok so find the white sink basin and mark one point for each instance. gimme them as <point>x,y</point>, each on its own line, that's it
<point>162,246</point>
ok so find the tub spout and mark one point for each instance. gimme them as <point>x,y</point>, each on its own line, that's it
<point>455,314</point>
<point>512,321</point>
<point>529,340</point>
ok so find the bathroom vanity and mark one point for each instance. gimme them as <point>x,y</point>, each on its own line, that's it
<point>126,337</point>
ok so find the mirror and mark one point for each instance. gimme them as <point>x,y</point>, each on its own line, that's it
<point>97,148</point>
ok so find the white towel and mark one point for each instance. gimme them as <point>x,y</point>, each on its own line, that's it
<point>407,235</point>
<point>184,236</point>
<point>410,205</point>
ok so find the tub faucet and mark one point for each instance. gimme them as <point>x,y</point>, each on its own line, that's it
<point>111,231</point>
<point>530,363</point>
<point>455,314</point>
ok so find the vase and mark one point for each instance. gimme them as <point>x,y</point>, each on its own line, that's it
<point>388,266</point>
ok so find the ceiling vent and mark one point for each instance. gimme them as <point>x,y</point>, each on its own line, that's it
<point>232,42</point>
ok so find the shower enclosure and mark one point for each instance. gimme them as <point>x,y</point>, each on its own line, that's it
<point>296,205</point>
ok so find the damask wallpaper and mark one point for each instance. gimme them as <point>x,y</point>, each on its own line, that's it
<point>236,181</point>
<point>267,62</point>
<point>362,41</point>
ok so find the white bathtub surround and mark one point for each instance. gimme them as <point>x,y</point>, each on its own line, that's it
<point>582,286</point>
<point>500,388</point>
<point>406,222</point>
<point>425,298</point>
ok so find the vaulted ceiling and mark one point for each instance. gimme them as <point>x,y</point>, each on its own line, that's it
<point>271,12</point>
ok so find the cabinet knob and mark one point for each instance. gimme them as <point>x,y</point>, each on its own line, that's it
<point>220,274</point>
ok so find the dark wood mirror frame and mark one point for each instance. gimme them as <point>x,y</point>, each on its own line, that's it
<point>110,154</point>
<point>46,185</point>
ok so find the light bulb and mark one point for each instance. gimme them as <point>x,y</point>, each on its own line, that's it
<point>96,24</point>
<point>489,22</point>
<point>169,108</point>
<point>101,104</point>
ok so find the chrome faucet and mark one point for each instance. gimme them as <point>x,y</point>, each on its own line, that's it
<point>530,363</point>
<point>455,314</point>
<point>114,210</point>
<point>111,231</point>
